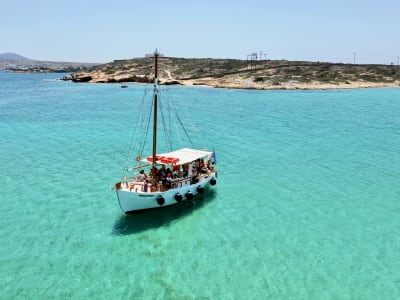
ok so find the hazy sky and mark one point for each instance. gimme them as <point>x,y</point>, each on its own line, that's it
<point>104,30</point>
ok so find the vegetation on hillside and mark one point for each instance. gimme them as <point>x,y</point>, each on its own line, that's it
<point>220,72</point>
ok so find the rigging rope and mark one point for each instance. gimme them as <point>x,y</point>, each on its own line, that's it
<point>146,131</point>
<point>165,129</point>
<point>134,135</point>
<point>138,132</point>
<point>170,119</point>
<point>181,125</point>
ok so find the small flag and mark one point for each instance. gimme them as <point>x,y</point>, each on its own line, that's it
<point>214,157</point>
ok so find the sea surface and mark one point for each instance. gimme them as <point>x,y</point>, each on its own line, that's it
<point>307,203</point>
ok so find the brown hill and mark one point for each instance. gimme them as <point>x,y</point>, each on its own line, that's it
<point>232,73</point>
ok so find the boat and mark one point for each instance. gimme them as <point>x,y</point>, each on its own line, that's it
<point>156,180</point>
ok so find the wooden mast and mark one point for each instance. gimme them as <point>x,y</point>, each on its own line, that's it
<point>155,104</point>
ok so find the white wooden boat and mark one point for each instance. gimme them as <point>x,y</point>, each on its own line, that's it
<point>167,178</point>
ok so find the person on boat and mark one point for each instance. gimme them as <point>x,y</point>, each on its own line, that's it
<point>211,166</point>
<point>142,176</point>
<point>145,186</point>
<point>194,175</point>
<point>185,171</point>
<point>169,181</point>
<point>166,182</point>
<point>204,167</point>
<point>197,164</point>
<point>162,172</point>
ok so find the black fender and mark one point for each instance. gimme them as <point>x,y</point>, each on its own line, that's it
<point>178,197</point>
<point>200,189</point>
<point>160,200</point>
<point>189,195</point>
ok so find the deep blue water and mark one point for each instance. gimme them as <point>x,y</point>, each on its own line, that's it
<point>307,204</point>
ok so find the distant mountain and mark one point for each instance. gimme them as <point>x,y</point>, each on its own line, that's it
<point>18,63</point>
<point>13,57</point>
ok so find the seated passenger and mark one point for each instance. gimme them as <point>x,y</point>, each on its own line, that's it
<point>142,176</point>
<point>162,172</point>
<point>195,173</point>
<point>211,166</point>
<point>204,167</point>
<point>185,173</point>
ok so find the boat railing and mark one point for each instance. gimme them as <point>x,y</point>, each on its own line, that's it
<point>150,185</point>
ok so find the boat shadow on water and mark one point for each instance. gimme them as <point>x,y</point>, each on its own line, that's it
<point>140,221</point>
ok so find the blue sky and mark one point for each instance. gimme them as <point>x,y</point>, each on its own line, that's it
<point>101,31</point>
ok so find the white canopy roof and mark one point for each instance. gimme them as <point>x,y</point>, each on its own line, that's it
<point>185,155</point>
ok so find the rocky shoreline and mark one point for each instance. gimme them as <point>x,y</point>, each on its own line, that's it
<point>239,74</point>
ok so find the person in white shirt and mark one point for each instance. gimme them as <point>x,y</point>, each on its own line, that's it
<point>142,176</point>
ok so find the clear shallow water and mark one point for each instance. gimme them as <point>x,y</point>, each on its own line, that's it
<point>307,204</point>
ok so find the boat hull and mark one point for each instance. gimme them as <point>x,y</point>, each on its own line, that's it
<point>131,201</point>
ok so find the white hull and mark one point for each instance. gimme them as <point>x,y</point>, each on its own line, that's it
<point>133,199</point>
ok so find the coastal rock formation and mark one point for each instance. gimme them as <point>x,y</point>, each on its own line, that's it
<point>99,77</point>
<point>230,73</point>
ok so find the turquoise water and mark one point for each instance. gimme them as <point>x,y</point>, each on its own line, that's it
<point>307,204</point>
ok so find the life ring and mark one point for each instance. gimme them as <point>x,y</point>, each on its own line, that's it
<point>138,158</point>
<point>158,157</point>
<point>166,160</point>
<point>169,160</point>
